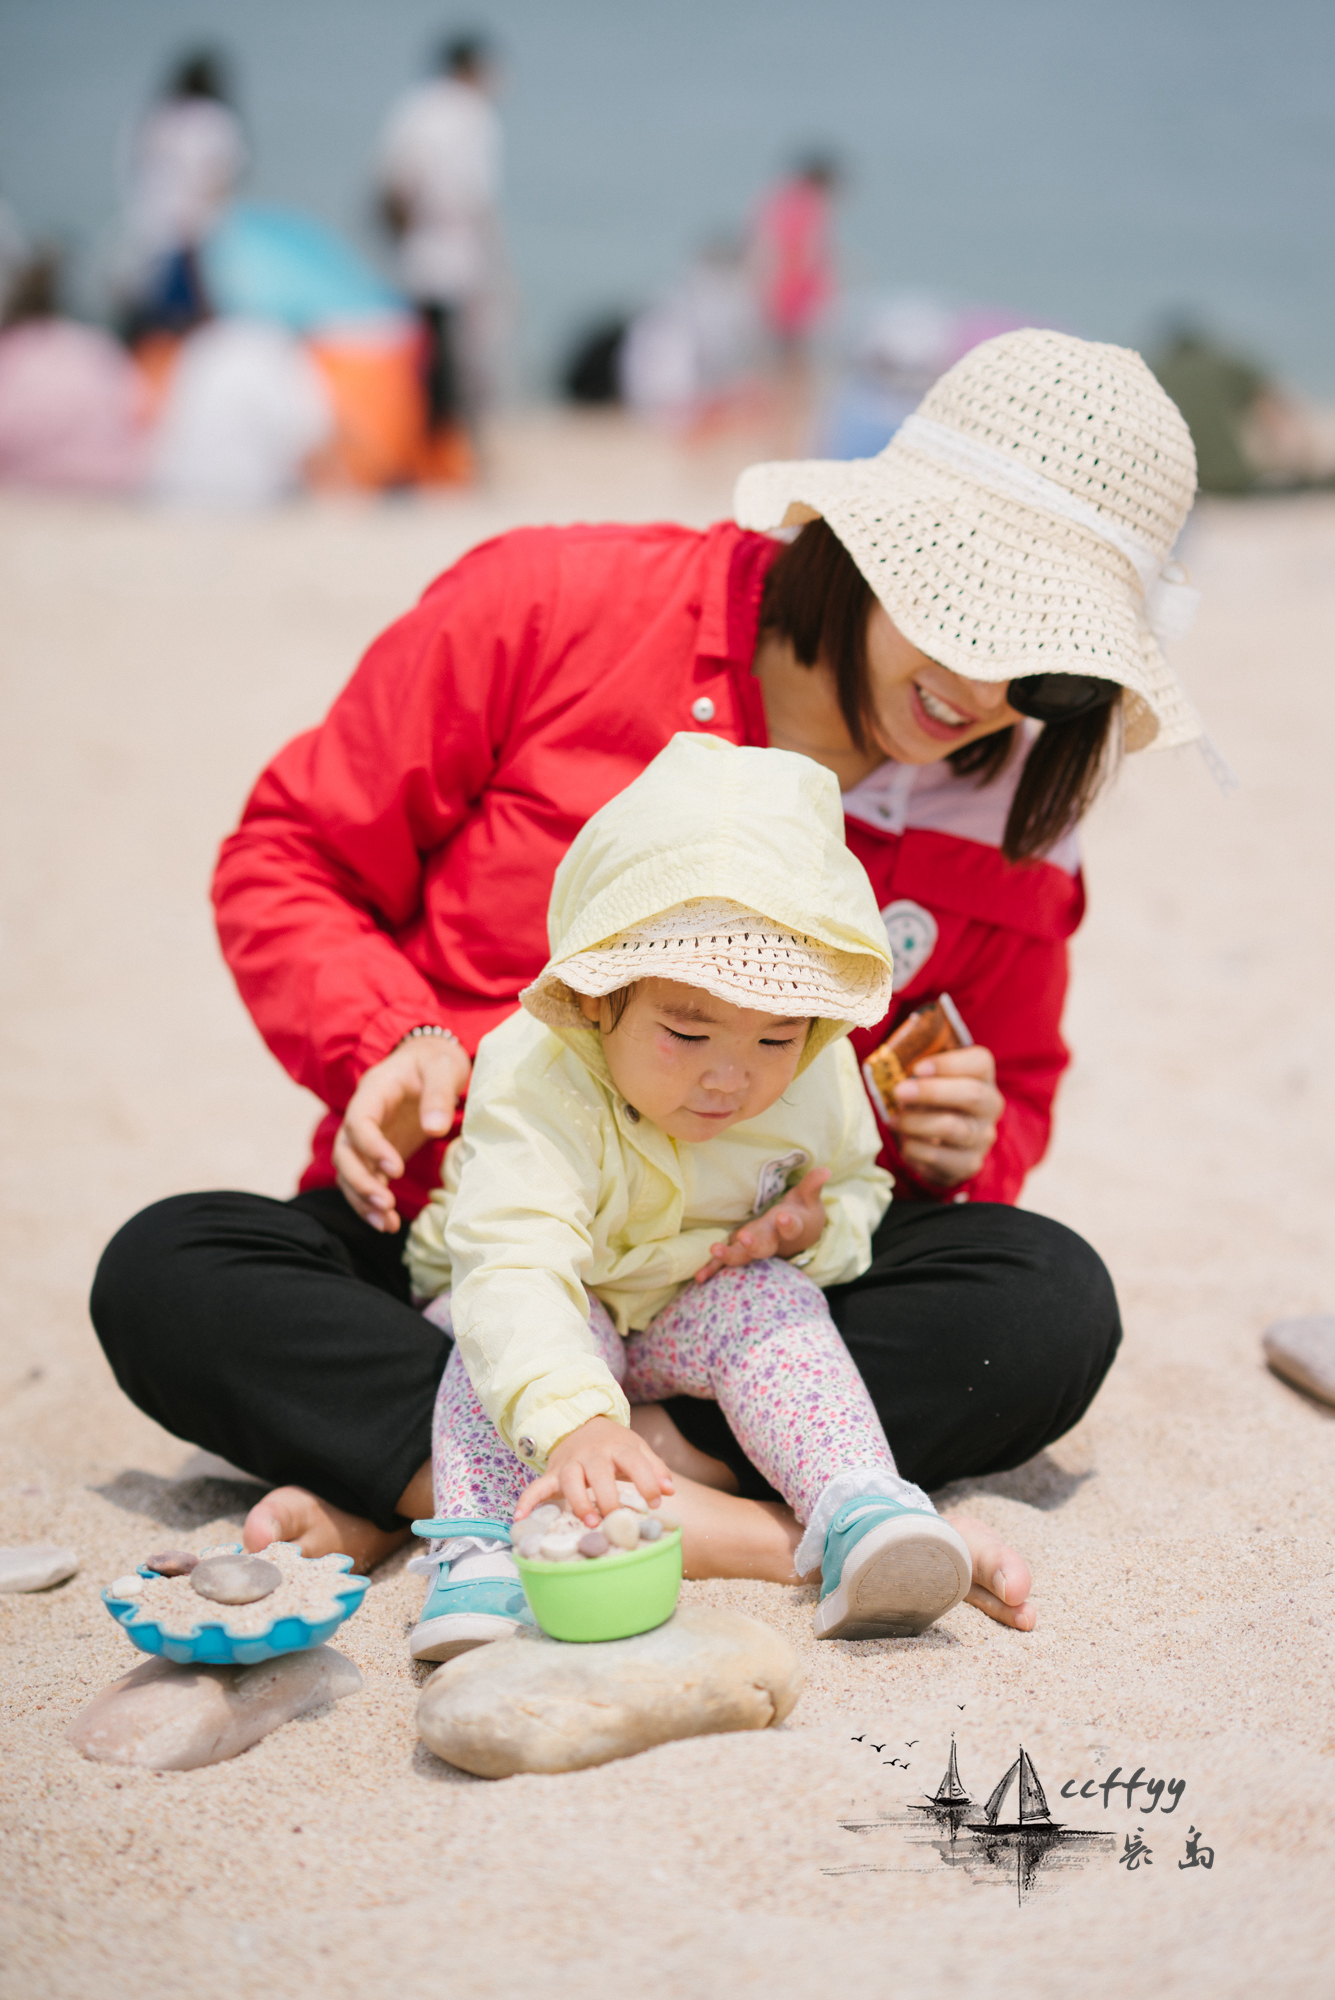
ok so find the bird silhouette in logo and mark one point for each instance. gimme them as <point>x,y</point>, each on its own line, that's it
<point>909,1746</point>
<point>878,1747</point>
<point>857,1739</point>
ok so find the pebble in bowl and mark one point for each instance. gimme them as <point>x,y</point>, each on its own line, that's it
<point>585,1585</point>
<point>226,1608</point>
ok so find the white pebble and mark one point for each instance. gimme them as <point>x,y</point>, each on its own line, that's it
<point>631,1496</point>
<point>622,1528</point>
<point>127,1586</point>
<point>561,1545</point>
<point>531,1546</point>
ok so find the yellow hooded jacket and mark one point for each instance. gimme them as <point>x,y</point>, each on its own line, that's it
<point>555,1188</point>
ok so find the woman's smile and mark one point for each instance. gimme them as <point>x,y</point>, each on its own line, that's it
<point>938,714</point>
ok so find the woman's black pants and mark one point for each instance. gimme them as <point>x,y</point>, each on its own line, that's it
<point>280,1335</point>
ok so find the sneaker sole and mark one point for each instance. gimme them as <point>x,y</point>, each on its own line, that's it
<point>458,1632</point>
<point>899,1579</point>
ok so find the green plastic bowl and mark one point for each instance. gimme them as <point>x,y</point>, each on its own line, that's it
<point>613,1597</point>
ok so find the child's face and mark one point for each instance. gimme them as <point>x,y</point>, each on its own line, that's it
<point>694,1065</point>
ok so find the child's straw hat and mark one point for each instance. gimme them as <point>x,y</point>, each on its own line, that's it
<point>1022,521</point>
<point>728,951</point>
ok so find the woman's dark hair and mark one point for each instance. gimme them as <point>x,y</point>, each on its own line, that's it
<point>817,599</point>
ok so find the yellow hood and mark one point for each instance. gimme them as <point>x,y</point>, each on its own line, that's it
<point>707,819</point>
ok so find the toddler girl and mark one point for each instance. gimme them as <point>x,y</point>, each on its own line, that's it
<point>678,1075</point>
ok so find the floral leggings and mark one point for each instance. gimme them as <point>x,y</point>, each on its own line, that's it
<point>756,1338</point>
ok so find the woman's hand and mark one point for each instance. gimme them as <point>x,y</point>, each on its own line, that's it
<point>946,1114</point>
<point>585,1467</point>
<point>399,1104</point>
<point>793,1224</point>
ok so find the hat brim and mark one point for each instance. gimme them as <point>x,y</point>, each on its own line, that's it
<point>835,991</point>
<point>991,587</point>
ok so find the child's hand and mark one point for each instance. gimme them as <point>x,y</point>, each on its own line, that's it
<point>585,1467</point>
<point>792,1225</point>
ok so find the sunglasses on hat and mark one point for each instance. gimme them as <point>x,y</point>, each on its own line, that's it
<point>1058,697</point>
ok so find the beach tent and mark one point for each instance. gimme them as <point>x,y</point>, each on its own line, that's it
<point>276,264</point>
<point>290,270</point>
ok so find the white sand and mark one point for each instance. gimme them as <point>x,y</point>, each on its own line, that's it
<point>1183,1539</point>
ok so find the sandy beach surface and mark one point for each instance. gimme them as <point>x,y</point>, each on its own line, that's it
<point>1182,1539</point>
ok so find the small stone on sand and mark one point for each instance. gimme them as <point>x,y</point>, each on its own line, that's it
<point>129,1585</point>
<point>172,1562</point>
<point>235,1579</point>
<point>1303,1352</point>
<point>535,1704</point>
<point>36,1568</point>
<point>651,1528</point>
<point>595,1543</point>
<point>165,1717</point>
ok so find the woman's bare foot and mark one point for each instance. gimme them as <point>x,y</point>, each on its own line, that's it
<point>291,1514</point>
<point>724,1536</point>
<point>1001,1578</point>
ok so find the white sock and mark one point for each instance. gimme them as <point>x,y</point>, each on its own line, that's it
<point>864,1482</point>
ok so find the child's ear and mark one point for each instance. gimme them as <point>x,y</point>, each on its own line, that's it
<point>590,1008</point>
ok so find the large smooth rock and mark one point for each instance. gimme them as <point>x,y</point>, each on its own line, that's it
<point>535,1704</point>
<point>173,1718</point>
<point>1303,1352</point>
<point>36,1568</point>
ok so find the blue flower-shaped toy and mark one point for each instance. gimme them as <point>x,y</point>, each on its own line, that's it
<point>212,1644</point>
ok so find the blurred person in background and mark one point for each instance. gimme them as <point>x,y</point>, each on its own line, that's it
<point>439,177</point>
<point>792,251</point>
<point>695,352</point>
<point>185,163</point>
<point>1248,433</point>
<point>73,406</point>
<point>245,409</point>
<point>891,352</point>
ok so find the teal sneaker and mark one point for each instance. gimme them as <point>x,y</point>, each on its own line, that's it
<point>888,1572</point>
<point>461,1612</point>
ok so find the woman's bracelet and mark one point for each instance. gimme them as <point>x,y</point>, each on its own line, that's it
<point>414,1034</point>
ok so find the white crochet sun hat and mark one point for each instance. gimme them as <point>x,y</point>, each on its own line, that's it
<point>1022,521</point>
<point>725,950</point>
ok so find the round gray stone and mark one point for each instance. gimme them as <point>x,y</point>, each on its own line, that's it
<point>532,1703</point>
<point>235,1579</point>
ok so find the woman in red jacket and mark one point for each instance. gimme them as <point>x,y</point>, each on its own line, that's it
<point>964,631</point>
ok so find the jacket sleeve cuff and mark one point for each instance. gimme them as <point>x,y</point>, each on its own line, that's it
<point>540,1431</point>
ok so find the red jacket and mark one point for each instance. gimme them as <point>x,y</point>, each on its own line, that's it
<point>393,867</point>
